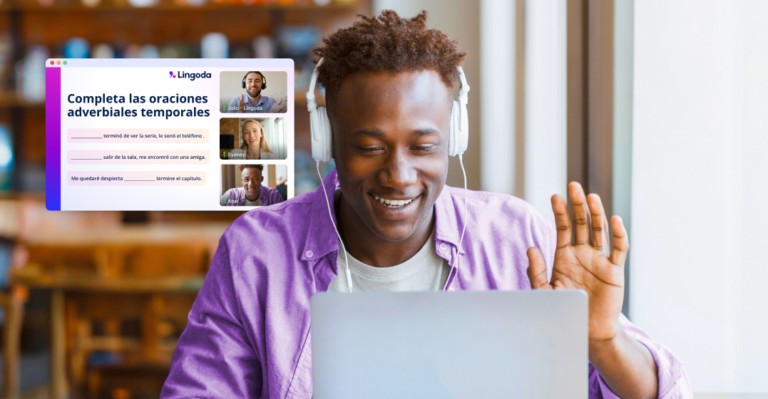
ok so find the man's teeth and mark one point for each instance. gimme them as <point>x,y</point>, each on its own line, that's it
<point>393,203</point>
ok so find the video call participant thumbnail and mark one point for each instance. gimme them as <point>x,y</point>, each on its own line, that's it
<point>252,193</point>
<point>254,142</point>
<point>252,100</point>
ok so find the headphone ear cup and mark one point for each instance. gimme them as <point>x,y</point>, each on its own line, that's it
<point>243,83</point>
<point>263,84</point>
<point>320,127</point>
<point>454,132</point>
<point>463,135</point>
<point>458,139</point>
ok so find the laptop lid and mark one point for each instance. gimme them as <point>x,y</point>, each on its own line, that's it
<point>472,344</point>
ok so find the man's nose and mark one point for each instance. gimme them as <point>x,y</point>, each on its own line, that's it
<point>398,171</point>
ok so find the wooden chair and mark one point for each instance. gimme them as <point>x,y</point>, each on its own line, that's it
<point>103,323</point>
<point>136,332</point>
<point>137,328</point>
<point>22,218</point>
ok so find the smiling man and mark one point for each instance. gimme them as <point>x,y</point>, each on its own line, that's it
<point>390,86</point>
<point>253,100</point>
<point>252,193</point>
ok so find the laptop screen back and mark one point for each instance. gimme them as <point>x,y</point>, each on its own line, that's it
<point>488,344</point>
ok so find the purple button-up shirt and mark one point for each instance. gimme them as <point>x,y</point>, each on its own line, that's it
<point>236,196</point>
<point>248,333</point>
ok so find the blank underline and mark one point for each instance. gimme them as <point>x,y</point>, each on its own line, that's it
<point>86,159</point>
<point>88,138</point>
<point>136,180</point>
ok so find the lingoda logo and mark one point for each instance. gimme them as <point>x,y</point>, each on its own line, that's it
<point>190,75</point>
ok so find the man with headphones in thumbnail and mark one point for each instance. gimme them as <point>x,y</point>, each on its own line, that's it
<point>252,100</point>
<point>392,120</point>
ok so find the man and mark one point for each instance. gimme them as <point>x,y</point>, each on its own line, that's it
<point>252,100</point>
<point>252,193</point>
<point>390,85</point>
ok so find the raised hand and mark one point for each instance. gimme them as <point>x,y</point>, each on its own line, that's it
<point>278,106</point>
<point>241,104</point>
<point>581,262</point>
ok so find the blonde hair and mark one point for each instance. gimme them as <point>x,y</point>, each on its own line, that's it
<point>263,146</point>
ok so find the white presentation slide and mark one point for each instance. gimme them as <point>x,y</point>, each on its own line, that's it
<point>169,134</point>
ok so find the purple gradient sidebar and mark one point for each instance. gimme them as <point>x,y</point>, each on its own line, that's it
<point>53,138</point>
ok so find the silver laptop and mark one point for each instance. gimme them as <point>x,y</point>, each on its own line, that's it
<point>489,344</point>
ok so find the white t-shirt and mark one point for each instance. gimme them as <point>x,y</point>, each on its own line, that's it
<point>425,271</point>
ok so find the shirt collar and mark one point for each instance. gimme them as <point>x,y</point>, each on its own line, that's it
<point>321,237</point>
<point>263,192</point>
<point>449,215</point>
<point>260,102</point>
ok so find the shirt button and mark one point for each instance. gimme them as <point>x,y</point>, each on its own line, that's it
<point>309,254</point>
<point>443,247</point>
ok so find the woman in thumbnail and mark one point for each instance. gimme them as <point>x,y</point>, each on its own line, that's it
<point>254,145</point>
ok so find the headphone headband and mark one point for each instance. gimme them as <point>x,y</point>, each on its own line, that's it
<point>311,102</point>
<point>263,79</point>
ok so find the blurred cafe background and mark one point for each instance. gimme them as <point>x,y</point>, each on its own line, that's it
<point>658,106</point>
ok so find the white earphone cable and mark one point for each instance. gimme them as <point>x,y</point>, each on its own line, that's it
<point>464,226</point>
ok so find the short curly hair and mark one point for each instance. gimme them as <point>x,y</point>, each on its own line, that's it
<point>387,43</point>
<point>257,166</point>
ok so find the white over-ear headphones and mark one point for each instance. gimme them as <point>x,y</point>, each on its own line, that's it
<point>320,126</point>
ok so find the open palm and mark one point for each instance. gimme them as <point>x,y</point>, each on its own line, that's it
<point>581,261</point>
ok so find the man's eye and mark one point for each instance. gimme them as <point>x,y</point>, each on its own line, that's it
<point>370,150</point>
<point>424,148</point>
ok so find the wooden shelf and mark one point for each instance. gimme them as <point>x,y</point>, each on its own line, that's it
<point>10,99</point>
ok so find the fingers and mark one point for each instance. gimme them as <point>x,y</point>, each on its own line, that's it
<point>599,223</point>
<point>620,246</point>
<point>562,221</point>
<point>278,106</point>
<point>589,224</point>
<point>580,215</point>
<point>537,270</point>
